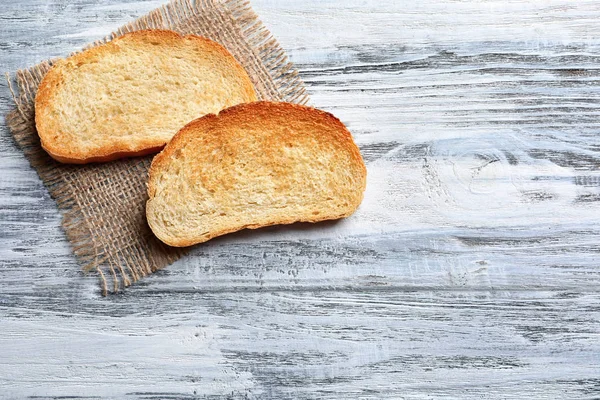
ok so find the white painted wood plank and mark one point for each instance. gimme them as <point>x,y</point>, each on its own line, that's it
<point>470,271</point>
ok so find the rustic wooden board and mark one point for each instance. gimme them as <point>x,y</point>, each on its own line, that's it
<point>472,269</point>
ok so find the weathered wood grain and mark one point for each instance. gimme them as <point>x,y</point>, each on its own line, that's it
<point>472,269</point>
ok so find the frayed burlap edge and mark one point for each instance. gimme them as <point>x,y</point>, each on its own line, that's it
<point>245,36</point>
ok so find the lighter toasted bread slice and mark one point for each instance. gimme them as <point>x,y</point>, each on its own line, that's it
<point>130,96</point>
<point>250,166</point>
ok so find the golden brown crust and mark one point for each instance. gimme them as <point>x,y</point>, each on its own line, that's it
<point>250,114</point>
<point>116,155</point>
<point>48,126</point>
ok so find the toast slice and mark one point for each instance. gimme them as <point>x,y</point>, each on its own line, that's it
<point>250,166</point>
<point>130,96</point>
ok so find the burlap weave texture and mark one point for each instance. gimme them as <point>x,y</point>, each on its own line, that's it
<point>103,205</point>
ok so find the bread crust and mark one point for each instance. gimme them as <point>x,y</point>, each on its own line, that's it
<point>250,113</point>
<point>48,126</point>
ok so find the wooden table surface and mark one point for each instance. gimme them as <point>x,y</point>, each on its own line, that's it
<point>471,270</point>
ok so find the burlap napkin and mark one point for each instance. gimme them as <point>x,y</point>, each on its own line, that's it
<point>103,205</point>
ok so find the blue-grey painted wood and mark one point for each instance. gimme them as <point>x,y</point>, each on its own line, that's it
<point>472,269</point>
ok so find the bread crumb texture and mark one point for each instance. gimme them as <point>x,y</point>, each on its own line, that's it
<point>251,166</point>
<point>131,95</point>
